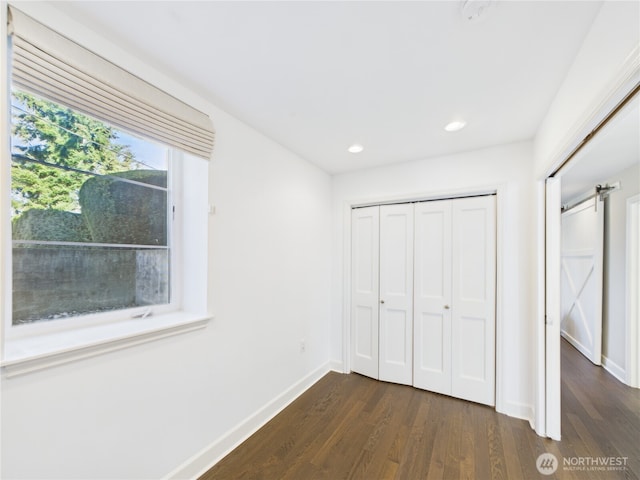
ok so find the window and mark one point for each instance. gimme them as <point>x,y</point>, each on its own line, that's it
<point>90,208</point>
<point>107,248</point>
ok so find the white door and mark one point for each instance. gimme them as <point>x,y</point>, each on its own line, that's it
<point>364,290</point>
<point>581,277</point>
<point>432,297</point>
<point>552,306</point>
<point>454,306</point>
<point>473,299</point>
<point>396,293</point>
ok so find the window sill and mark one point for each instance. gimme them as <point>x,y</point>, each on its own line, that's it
<point>37,352</point>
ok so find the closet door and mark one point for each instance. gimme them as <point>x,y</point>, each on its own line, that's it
<point>432,302</point>
<point>364,290</point>
<point>473,299</point>
<point>396,293</point>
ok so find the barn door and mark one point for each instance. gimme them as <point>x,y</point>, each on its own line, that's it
<point>581,277</point>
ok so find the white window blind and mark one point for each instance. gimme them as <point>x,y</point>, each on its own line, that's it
<point>52,66</point>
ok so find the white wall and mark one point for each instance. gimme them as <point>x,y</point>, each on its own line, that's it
<point>508,165</point>
<point>143,411</point>
<point>614,343</point>
<point>606,50</point>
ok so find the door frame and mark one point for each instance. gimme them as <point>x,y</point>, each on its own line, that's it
<point>552,308</point>
<point>499,191</point>
<point>621,87</point>
<point>633,283</point>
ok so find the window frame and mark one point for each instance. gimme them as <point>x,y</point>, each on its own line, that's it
<point>175,159</point>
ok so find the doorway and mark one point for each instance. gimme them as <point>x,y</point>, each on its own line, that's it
<point>603,170</point>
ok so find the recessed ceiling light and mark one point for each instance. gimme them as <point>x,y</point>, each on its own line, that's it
<point>355,148</point>
<point>455,126</point>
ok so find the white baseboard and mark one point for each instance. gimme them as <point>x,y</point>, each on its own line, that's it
<point>212,454</point>
<point>609,365</point>
<point>336,366</point>
<point>614,369</point>
<point>522,411</point>
<point>580,347</point>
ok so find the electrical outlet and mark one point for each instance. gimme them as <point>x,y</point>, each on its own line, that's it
<point>303,346</point>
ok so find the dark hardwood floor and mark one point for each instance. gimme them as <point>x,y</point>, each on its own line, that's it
<point>349,426</point>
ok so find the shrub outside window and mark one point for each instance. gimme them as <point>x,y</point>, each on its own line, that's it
<point>91,215</point>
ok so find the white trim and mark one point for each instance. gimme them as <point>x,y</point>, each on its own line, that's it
<point>346,288</point>
<point>540,332</point>
<point>501,403</point>
<point>336,366</point>
<point>206,458</point>
<point>5,183</point>
<point>35,353</point>
<point>613,368</point>
<point>500,191</point>
<point>522,411</point>
<point>632,315</point>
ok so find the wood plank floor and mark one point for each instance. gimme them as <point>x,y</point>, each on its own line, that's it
<point>349,426</point>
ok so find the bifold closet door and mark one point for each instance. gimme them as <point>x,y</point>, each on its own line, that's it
<point>432,301</point>
<point>473,299</point>
<point>396,293</point>
<point>454,306</point>
<point>439,333</point>
<point>365,234</point>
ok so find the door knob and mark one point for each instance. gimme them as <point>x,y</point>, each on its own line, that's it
<point>381,301</point>
<point>446,307</point>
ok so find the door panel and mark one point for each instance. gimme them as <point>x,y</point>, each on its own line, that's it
<point>581,278</point>
<point>364,291</point>
<point>394,337</point>
<point>473,299</point>
<point>472,349</point>
<point>432,337</point>
<point>471,225</point>
<point>396,293</point>
<point>364,341</point>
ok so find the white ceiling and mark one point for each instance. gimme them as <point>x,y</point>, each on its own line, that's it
<point>319,76</point>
